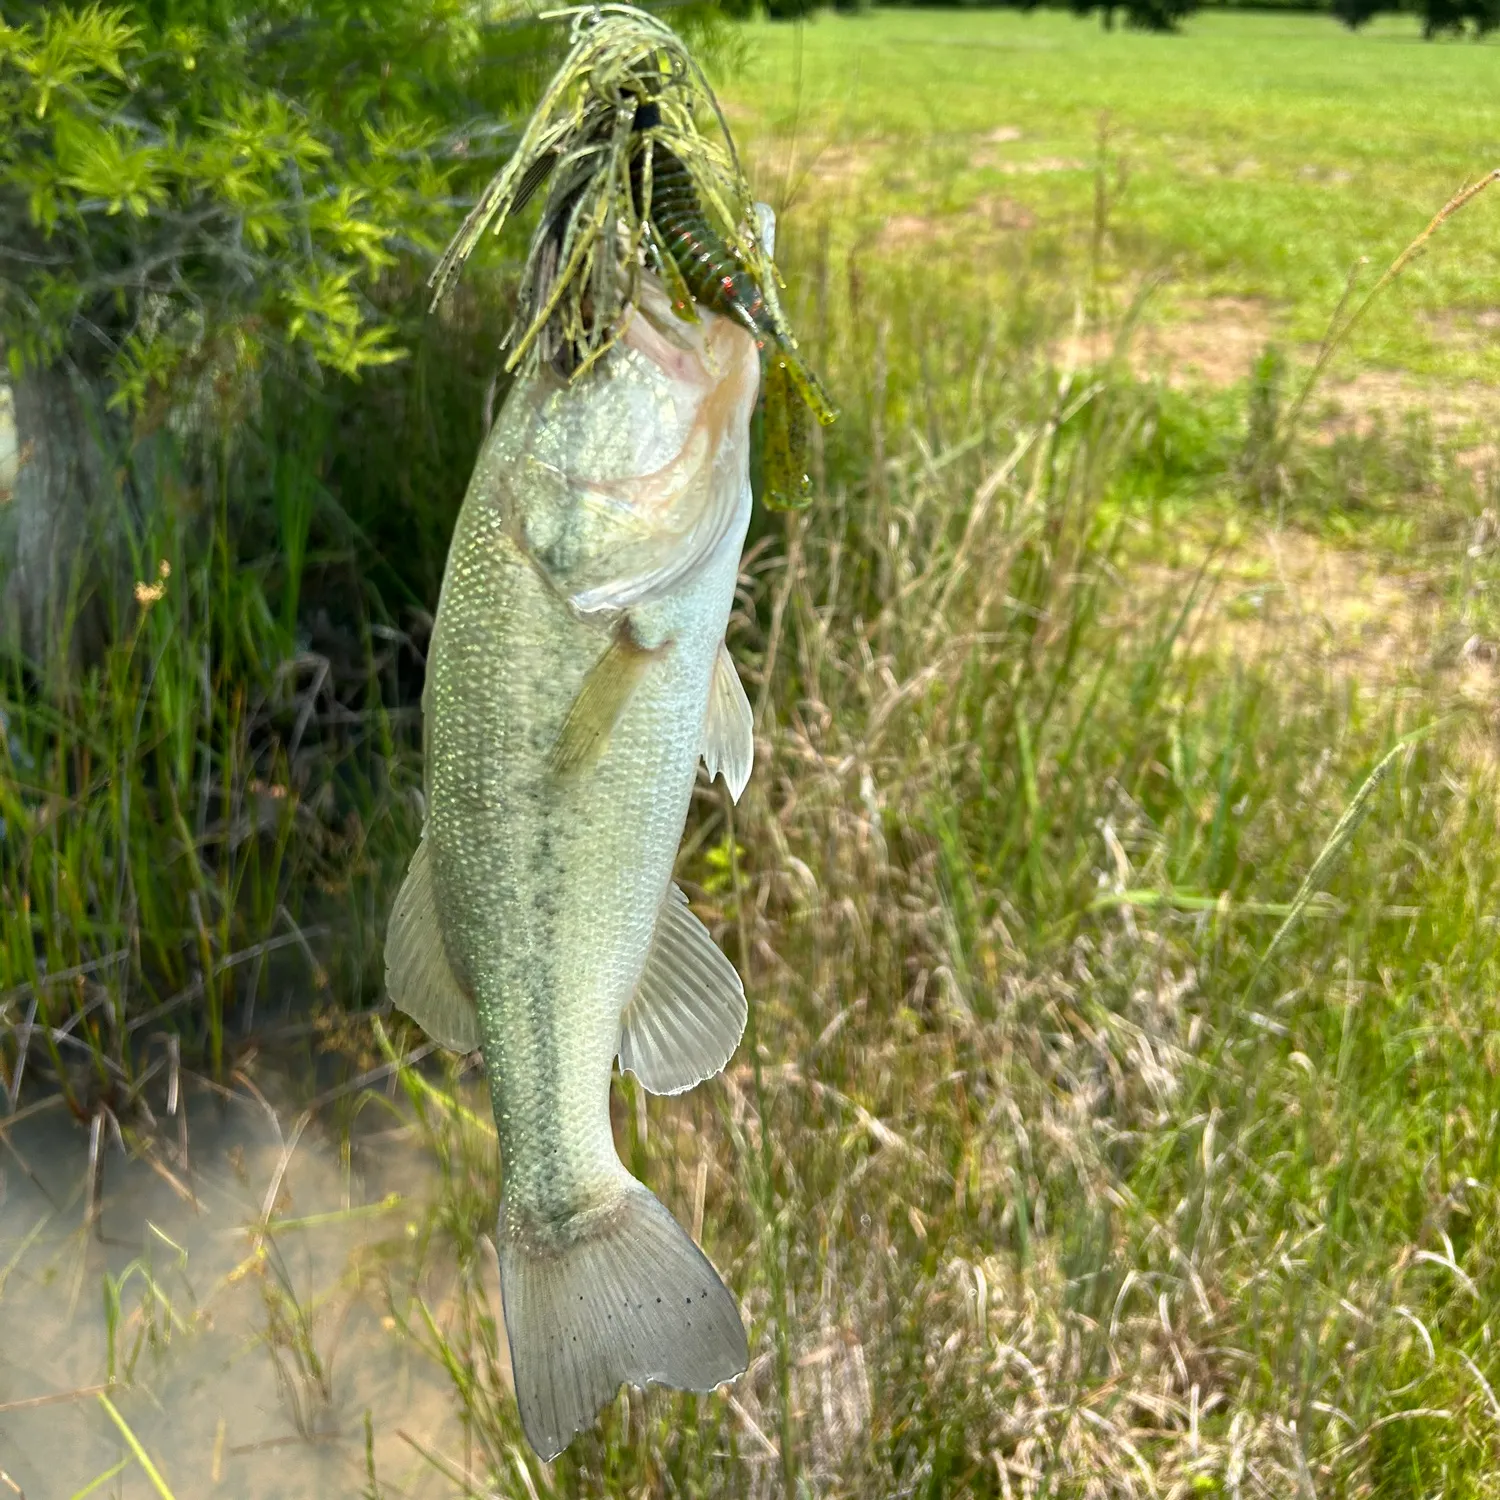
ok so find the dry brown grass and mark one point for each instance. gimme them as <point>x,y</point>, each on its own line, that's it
<point>1211,343</point>
<point>1357,404</point>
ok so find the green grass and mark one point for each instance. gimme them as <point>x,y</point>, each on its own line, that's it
<point>1262,156</point>
<point>1042,1171</point>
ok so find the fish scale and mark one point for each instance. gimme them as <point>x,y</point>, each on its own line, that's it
<point>509,849</point>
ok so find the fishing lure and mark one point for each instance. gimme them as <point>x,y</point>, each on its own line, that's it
<point>701,266</point>
<point>633,183</point>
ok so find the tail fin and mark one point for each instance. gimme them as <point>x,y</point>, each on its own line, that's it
<point>623,1295</point>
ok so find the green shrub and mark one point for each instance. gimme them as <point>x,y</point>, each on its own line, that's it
<point>191,185</point>
<point>1455,16</point>
<point>1141,15</point>
<point>1354,13</point>
<point>198,193</point>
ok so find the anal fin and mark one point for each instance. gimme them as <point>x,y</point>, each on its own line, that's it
<point>606,689</point>
<point>417,973</point>
<point>729,728</point>
<point>688,1011</point>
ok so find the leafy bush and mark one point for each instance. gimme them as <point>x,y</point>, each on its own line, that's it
<point>1354,13</point>
<point>1141,15</point>
<point>1455,16</point>
<point>196,193</point>
<point>192,184</point>
<point>1438,16</point>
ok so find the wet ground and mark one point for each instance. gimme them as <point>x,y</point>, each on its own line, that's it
<point>249,1365</point>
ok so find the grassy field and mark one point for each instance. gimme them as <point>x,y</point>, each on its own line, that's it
<point>1116,889</point>
<point>1253,157</point>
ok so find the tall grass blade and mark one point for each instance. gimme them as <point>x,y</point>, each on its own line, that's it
<point>133,1443</point>
<point>1337,844</point>
<point>100,1479</point>
<point>1338,331</point>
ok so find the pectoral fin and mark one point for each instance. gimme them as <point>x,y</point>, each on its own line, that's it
<point>417,972</point>
<point>729,729</point>
<point>688,1011</point>
<point>601,700</point>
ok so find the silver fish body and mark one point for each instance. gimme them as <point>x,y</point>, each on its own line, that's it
<point>576,674</point>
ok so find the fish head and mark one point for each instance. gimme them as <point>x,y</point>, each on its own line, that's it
<point>621,483</point>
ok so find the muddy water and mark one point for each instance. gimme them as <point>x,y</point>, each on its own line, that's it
<point>218,1407</point>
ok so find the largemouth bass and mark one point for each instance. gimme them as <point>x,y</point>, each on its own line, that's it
<point>577,673</point>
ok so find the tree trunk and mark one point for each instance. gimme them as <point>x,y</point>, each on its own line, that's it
<point>58,519</point>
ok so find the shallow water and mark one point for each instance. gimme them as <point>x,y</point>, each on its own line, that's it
<point>206,1399</point>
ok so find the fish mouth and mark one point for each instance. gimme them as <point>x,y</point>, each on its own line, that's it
<point>607,540</point>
